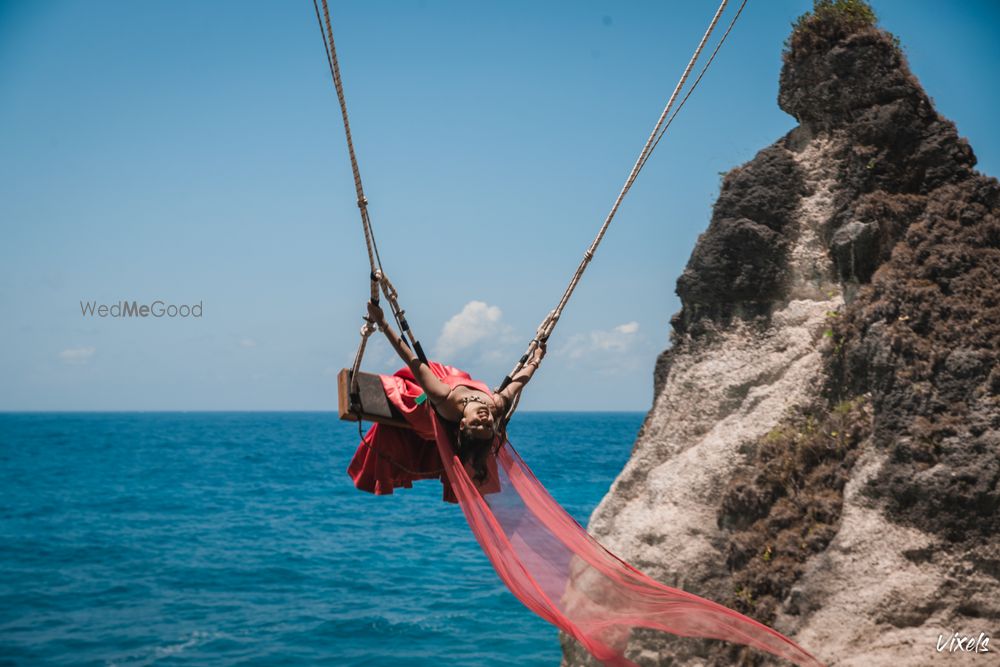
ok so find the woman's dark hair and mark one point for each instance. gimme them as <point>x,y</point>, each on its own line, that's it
<point>476,451</point>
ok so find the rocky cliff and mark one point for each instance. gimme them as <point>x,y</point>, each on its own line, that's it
<point>823,450</point>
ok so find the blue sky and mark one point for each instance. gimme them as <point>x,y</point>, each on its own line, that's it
<point>192,152</point>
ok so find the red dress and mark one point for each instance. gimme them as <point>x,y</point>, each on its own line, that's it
<point>391,457</point>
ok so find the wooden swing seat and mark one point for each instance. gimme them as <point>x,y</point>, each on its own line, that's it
<point>370,403</point>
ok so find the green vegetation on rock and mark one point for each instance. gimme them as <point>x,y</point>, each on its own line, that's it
<point>830,20</point>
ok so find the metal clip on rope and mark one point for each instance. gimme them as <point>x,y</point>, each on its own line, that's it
<point>367,329</point>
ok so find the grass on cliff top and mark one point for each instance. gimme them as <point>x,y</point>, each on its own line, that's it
<point>829,21</point>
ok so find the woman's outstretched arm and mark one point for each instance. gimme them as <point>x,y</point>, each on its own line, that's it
<point>511,391</point>
<point>436,390</point>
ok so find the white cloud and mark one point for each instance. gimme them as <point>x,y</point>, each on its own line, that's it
<point>475,322</point>
<point>618,340</point>
<point>478,326</point>
<point>627,328</point>
<point>77,355</point>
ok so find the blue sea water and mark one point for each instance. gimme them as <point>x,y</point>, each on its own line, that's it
<point>238,539</point>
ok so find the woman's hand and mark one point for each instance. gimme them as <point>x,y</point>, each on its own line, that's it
<point>376,315</point>
<point>521,377</point>
<point>536,358</point>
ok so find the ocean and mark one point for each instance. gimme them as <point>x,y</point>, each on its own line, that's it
<point>238,539</point>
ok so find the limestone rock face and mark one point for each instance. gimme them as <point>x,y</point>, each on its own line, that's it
<point>823,452</point>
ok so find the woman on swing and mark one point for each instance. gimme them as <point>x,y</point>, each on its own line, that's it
<point>391,457</point>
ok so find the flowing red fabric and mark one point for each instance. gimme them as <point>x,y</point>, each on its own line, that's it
<point>547,560</point>
<point>390,457</point>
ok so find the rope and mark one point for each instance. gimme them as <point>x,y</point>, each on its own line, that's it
<point>549,322</point>
<point>545,329</point>
<point>366,331</point>
<point>699,77</point>
<point>334,64</point>
<point>377,275</point>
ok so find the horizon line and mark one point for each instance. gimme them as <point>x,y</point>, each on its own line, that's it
<point>249,411</point>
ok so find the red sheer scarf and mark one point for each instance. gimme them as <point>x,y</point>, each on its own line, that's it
<point>550,562</point>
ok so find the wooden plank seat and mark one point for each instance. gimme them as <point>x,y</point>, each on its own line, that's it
<point>369,404</point>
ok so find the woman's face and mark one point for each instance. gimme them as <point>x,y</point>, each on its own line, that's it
<point>478,421</point>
